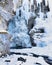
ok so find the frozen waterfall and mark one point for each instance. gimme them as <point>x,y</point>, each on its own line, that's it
<point>19,30</point>
<point>40,31</point>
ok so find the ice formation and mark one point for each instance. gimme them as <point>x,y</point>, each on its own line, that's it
<point>18,26</point>
<point>20,36</point>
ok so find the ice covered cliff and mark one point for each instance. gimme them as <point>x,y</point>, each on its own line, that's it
<point>28,28</point>
<point>19,26</point>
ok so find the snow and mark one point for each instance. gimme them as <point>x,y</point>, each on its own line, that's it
<point>41,60</point>
<point>19,36</point>
<point>25,5</point>
<point>46,2</point>
<point>47,51</point>
<point>39,1</point>
<point>15,4</point>
<point>29,59</point>
<point>50,2</point>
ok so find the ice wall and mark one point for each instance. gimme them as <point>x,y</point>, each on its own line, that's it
<point>18,27</point>
<point>19,31</point>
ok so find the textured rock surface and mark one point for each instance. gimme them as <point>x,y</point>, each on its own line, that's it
<point>7,5</point>
<point>4,14</point>
<point>4,35</point>
<point>4,44</point>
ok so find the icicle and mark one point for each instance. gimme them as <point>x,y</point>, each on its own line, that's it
<point>46,2</point>
<point>50,3</point>
<point>31,2</point>
<point>39,1</point>
<point>26,5</point>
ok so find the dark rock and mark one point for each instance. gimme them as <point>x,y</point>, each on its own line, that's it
<point>49,61</point>
<point>38,64</point>
<point>44,56</point>
<point>25,54</point>
<point>32,41</point>
<point>41,30</point>
<point>32,8</point>
<point>7,60</point>
<point>20,13</point>
<point>0,0</point>
<point>14,12</point>
<point>31,22</point>
<point>34,55</point>
<point>21,59</point>
<point>15,53</point>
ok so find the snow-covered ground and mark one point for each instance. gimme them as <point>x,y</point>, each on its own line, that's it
<point>29,56</point>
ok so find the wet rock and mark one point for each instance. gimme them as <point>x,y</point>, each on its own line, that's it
<point>31,22</point>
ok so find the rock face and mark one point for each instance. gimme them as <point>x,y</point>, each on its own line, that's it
<point>41,32</point>
<point>4,14</point>
<point>4,44</point>
<point>3,24</point>
<point>7,5</point>
<point>4,35</point>
<point>31,22</point>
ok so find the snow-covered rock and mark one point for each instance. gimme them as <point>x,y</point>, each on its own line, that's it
<point>41,32</point>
